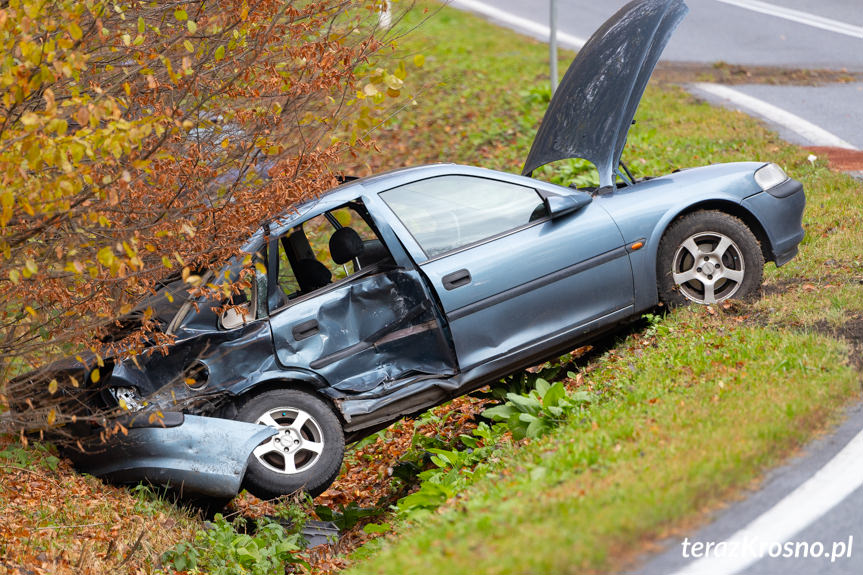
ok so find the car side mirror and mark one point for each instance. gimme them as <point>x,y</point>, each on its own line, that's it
<point>560,205</point>
<point>236,316</point>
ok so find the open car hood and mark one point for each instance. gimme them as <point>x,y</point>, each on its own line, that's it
<point>592,109</point>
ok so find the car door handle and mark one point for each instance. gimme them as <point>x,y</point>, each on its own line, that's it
<point>456,279</point>
<point>305,330</point>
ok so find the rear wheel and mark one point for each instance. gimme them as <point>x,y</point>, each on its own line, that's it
<point>708,257</point>
<point>306,453</point>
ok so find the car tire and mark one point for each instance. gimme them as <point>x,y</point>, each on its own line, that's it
<point>707,257</point>
<point>307,452</point>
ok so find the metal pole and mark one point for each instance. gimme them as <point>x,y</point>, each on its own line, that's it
<point>552,43</point>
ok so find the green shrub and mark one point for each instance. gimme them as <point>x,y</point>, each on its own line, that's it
<point>540,410</point>
<point>221,549</point>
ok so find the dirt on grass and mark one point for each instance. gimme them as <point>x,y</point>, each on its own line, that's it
<point>723,73</point>
<point>840,159</point>
<point>852,332</point>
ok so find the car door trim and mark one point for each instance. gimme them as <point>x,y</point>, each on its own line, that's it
<point>537,283</point>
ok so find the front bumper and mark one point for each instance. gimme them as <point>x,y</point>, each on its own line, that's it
<point>780,212</point>
<point>203,456</point>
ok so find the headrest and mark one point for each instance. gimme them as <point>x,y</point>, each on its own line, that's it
<point>311,274</point>
<point>345,245</point>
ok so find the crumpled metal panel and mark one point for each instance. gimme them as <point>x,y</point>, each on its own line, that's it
<point>203,456</point>
<point>370,331</point>
<point>229,357</point>
<point>402,398</point>
<point>592,109</point>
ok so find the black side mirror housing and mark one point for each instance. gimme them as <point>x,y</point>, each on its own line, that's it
<point>561,205</point>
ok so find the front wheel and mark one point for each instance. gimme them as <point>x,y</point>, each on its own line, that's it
<point>708,257</point>
<point>306,453</point>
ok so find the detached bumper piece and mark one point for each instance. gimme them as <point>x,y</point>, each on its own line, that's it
<point>202,456</point>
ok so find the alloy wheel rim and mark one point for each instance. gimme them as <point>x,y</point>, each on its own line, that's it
<point>708,267</point>
<point>296,447</point>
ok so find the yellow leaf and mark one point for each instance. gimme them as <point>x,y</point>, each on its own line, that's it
<point>188,46</point>
<point>52,417</point>
<point>29,119</point>
<point>419,60</point>
<point>14,276</point>
<point>106,256</point>
<point>191,26</point>
<point>94,376</point>
<point>75,31</point>
<point>52,387</point>
<point>30,310</point>
<point>393,82</point>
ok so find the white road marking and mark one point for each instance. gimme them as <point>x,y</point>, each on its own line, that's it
<point>831,484</point>
<point>815,135</point>
<point>799,17</point>
<point>523,24</point>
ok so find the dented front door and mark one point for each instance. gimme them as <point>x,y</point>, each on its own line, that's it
<point>363,332</point>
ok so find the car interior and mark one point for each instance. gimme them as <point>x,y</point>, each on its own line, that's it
<point>328,249</point>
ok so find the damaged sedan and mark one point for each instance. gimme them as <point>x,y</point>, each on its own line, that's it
<point>394,293</point>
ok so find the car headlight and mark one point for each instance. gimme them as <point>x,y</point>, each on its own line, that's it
<point>770,176</point>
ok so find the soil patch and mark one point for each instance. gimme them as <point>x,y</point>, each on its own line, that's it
<point>840,158</point>
<point>852,332</point>
<point>722,73</point>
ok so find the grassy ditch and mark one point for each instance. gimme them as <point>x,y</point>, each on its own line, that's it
<point>683,414</point>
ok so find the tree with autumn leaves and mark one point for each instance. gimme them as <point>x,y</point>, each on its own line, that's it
<point>145,140</point>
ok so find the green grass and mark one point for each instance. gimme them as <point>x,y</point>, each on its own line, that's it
<point>688,416</point>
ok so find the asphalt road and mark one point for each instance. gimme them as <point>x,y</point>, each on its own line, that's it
<point>800,34</point>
